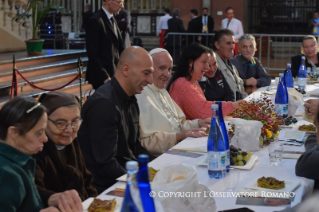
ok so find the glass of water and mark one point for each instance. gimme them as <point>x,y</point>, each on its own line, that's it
<point>275,154</point>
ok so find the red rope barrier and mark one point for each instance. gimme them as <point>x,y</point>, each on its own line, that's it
<point>46,89</point>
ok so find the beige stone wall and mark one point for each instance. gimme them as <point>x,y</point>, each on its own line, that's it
<point>10,43</point>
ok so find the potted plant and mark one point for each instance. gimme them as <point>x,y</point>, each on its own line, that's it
<point>38,11</point>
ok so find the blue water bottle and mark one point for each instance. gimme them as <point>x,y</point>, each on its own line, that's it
<point>302,74</point>
<point>131,188</point>
<point>281,100</point>
<point>144,184</point>
<point>216,149</point>
<point>288,77</point>
<point>282,79</point>
<point>225,133</point>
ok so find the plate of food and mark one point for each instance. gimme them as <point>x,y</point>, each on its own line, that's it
<point>98,205</point>
<point>249,164</point>
<point>273,184</point>
<point>305,126</point>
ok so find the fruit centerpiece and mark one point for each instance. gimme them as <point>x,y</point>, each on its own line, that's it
<point>263,110</point>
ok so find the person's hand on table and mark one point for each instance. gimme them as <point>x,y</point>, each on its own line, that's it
<point>236,104</point>
<point>204,122</point>
<point>50,209</point>
<point>311,106</point>
<point>251,81</point>
<point>68,201</point>
<point>195,133</point>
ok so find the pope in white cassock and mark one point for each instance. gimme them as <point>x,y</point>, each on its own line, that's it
<point>162,122</point>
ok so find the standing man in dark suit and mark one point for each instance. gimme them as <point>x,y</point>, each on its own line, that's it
<point>174,42</point>
<point>123,21</point>
<point>192,27</point>
<point>205,24</point>
<point>104,43</point>
<point>86,16</point>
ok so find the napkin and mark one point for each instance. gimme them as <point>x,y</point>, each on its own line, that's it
<point>290,156</point>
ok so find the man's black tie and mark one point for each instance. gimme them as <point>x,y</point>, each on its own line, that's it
<point>228,24</point>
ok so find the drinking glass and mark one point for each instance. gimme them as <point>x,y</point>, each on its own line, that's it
<point>275,154</point>
<point>231,180</point>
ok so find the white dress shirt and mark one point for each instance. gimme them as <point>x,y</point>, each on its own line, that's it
<point>162,24</point>
<point>158,126</point>
<point>234,25</point>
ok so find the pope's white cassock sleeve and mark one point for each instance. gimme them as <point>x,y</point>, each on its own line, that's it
<point>158,126</point>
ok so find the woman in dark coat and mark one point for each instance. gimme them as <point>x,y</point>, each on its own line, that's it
<point>61,165</point>
<point>310,50</point>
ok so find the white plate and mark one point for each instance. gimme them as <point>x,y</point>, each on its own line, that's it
<point>249,164</point>
<point>122,178</point>
<point>302,122</point>
<point>88,202</point>
<point>290,185</point>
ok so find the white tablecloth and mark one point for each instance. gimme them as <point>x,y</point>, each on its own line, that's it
<point>261,168</point>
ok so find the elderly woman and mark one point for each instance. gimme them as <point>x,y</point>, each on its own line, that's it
<point>162,122</point>
<point>184,88</point>
<point>215,86</point>
<point>60,166</point>
<point>22,133</point>
<point>310,50</point>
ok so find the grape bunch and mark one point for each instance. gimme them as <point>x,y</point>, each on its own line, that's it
<point>289,120</point>
<point>238,157</point>
<point>302,91</point>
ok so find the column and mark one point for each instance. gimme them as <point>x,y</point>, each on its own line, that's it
<point>75,21</point>
<point>141,7</point>
<point>6,11</point>
<point>207,3</point>
<point>160,6</point>
<point>147,8</point>
<point>153,5</point>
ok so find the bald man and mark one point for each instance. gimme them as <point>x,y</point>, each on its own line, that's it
<point>109,134</point>
<point>155,103</point>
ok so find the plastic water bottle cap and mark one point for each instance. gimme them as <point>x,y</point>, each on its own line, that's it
<point>303,57</point>
<point>131,165</point>
<point>214,106</point>
<point>281,74</point>
<point>289,65</point>
<point>143,158</point>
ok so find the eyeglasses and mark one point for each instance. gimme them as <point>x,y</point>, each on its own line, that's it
<point>121,4</point>
<point>61,125</point>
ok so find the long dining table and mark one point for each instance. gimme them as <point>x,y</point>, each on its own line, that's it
<point>261,167</point>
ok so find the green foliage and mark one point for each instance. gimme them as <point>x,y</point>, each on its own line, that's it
<point>38,12</point>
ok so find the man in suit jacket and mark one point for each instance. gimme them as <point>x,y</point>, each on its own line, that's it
<point>123,21</point>
<point>192,27</point>
<point>205,24</point>
<point>104,43</point>
<point>174,41</point>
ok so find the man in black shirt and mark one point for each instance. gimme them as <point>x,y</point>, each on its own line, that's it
<point>109,134</point>
<point>215,87</point>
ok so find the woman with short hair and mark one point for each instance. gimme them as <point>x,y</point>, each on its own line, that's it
<point>22,133</point>
<point>310,50</point>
